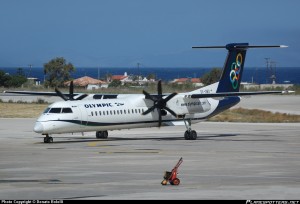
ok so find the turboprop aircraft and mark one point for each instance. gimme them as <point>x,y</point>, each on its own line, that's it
<point>102,113</point>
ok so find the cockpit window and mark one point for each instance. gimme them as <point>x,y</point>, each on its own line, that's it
<point>55,110</point>
<point>47,110</point>
<point>58,110</point>
<point>66,110</point>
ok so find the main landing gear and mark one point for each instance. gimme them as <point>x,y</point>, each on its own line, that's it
<point>48,139</point>
<point>189,133</point>
<point>101,134</point>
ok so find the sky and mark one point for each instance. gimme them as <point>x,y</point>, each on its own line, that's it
<point>156,33</point>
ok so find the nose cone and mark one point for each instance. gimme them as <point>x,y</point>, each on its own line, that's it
<point>38,128</point>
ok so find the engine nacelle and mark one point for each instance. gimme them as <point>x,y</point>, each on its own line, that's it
<point>163,112</point>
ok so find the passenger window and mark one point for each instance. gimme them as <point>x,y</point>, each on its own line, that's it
<point>99,112</point>
<point>96,113</point>
<point>92,113</point>
<point>55,110</point>
<point>66,110</point>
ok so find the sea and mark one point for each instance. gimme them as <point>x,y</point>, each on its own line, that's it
<point>259,75</point>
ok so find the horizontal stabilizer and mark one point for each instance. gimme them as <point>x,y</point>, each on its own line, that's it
<point>243,46</point>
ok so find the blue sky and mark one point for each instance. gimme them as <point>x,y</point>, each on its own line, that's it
<point>156,33</point>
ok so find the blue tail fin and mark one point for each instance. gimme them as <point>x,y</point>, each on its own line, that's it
<point>233,68</point>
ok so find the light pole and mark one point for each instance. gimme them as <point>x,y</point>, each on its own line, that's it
<point>267,71</point>
<point>30,65</point>
<point>138,65</point>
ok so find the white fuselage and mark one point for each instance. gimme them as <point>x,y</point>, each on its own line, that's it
<point>124,112</point>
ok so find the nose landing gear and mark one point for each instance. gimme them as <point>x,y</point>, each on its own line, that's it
<point>48,139</point>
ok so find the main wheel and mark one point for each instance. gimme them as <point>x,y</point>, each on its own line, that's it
<point>98,134</point>
<point>187,135</point>
<point>193,135</point>
<point>104,134</point>
<point>101,134</point>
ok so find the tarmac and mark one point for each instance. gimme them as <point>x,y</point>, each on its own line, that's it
<point>235,161</point>
<point>228,161</point>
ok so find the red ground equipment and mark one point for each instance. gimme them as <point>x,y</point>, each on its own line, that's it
<point>172,176</point>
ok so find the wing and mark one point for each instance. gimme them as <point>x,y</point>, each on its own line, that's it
<point>33,93</point>
<point>37,93</point>
<point>231,94</point>
<point>65,96</point>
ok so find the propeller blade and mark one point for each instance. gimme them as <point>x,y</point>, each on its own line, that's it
<point>71,91</point>
<point>60,94</point>
<point>159,89</point>
<point>81,97</point>
<point>169,97</point>
<point>172,112</point>
<point>148,96</point>
<point>159,103</point>
<point>159,117</point>
<point>149,110</point>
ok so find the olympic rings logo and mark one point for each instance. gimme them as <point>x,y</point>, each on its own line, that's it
<point>235,71</point>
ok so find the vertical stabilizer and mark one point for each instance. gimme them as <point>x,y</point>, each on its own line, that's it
<point>233,68</point>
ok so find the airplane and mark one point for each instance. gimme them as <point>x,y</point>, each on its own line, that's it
<point>105,112</point>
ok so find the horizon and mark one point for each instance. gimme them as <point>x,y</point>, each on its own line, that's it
<point>135,68</point>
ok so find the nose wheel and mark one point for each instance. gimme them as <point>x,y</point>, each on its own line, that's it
<point>48,139</point>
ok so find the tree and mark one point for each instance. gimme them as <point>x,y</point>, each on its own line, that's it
<point>151,76</point>
<point>115,83</point>
<point>212,76</point>
<point>4,78</point>
<point>15,80</point>
<point>57,71</point>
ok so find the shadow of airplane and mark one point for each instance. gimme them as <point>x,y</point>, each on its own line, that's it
<point>179,138</point>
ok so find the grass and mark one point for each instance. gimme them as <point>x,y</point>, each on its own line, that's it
<point>254,116</point>
<point>21,110</point>
<point>33,110</point>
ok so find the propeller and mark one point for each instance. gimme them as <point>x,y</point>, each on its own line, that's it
<point>70,96</point>
<point>159,103</point>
